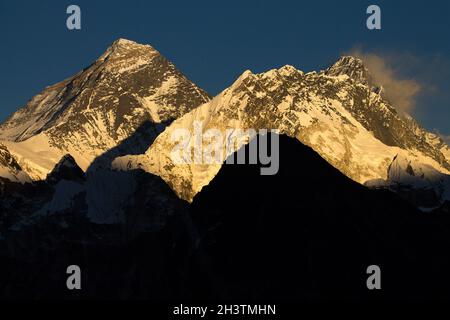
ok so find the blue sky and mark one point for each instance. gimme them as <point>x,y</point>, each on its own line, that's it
<point>213,42</point>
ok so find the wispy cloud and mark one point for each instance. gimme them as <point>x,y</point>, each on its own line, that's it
<point>402,92</point>
<point>446,139</point>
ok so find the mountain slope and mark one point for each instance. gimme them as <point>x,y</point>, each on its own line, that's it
<point>9,168</point>
<point>421,184</point>
<point>338,112</point>
<point>306,234</point>
<point>309,232</point>
<point>97,108</point>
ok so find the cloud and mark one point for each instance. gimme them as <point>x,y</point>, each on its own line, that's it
<point>400,91</point>
<point>446,139</point>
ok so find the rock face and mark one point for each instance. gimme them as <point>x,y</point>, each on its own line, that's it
<point>66,169</point>
<point>100,106</point>
<point>339,112</point>
<point>9,168</point>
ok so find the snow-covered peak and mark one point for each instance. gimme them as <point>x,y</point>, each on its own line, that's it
<point>125,56</point>
<point>245,75</point>
<point>424,185</point>
<point>278,75</point>
<point>347,123</point>
<point>288,70</point>
<point>104,104</point>
<point>262,83</point>
<point>346,62</point>
<point>352,67</point>
<point>125,44</point>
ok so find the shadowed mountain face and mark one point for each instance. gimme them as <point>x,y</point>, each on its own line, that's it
<point>306,233</point>
<point>310,232</point>
<point>99,195</point>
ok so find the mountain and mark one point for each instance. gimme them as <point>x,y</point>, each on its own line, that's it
<point>309,233</point>
<point>66,169</point>
<point>421,184</point>
<point>339,112</point>
<point>74,206</point>
<point>306,234</point>
<point>94,110</point>
<point>9,168</point>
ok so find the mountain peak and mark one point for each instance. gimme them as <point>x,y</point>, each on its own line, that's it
<point>126,49</point>
<point>284,71</point>
<point>67,168</point>
<point>105,103</point>
<point>349,62</point>
<point>352,67</point>
<point>287,69</point>
<point>123,41</point>
<point>128,44</point>
<point>245,76</point>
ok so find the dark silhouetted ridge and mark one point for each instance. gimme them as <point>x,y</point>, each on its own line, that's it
<point>311,232</point>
